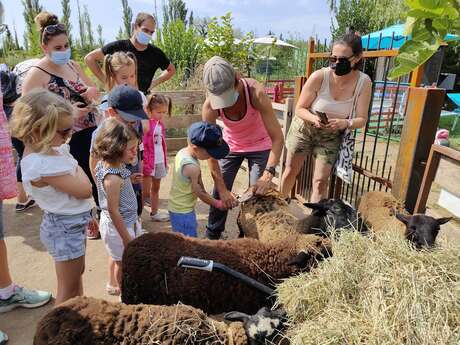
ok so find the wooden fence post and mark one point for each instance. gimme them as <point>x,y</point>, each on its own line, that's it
<point>419,130</point>
<point>310,59</point>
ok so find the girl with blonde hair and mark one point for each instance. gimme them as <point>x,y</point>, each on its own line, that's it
<point>43,121</point>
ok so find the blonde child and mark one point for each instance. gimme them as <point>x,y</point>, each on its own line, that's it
<point>44,121</point>
<point>155,152</point>
<point>204,141</point>
<point>120,68</point>
<point>116,146</point>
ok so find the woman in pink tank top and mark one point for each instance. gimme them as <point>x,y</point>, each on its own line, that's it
<point>251,130</point>
<point>328,99</point>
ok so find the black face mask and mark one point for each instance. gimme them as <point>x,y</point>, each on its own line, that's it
<point>341,67</point>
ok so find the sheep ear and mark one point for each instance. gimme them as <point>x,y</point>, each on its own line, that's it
<point>236,316</point>
<point>443,220</point>
<point>403,218</point>
<point>315,205</point>
<point>300,260</point>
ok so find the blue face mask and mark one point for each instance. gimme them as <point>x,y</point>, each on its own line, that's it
<point>143,38</point>
<point>61,58</point>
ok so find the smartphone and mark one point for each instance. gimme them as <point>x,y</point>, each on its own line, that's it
<point>323,117</point>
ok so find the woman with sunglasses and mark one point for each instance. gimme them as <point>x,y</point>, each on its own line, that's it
<point>322,114</point>
<point>149,58</point>
<point>59,74</point>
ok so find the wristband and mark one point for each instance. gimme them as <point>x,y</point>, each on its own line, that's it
<point>217,203</point>
<point>271,170</point>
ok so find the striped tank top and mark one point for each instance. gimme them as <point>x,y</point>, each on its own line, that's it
<point>128,203</point>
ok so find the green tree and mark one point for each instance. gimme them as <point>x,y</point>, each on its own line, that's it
<point>65,19</point>
<point>201,26</point>
<point>176,10</point>
<point>31,36</point>
<point>81,27</point>
<point>428,22</point>
<point>181,44</point>
<point>89,29</point>
<point>120,34</point>
<point>8,41</point>
<point>100,39</point>
<point>16,40</point>
<point>127,18</point>
<point>364,16</point>
<point>221,41</point>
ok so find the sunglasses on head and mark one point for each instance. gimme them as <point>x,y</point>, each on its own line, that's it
<point>55,28</point>
<point>333,59</point>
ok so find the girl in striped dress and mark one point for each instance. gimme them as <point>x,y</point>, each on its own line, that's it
<point>116,146</point>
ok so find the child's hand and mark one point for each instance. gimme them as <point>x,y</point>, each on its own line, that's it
<point>91,94</point>
<point>126,239</point>
<point>136,178</point>
<point>219,205</point>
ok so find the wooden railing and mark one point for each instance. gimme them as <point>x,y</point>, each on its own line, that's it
<point>191,101</point>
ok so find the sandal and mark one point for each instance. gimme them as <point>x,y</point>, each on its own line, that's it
<point>112,290</point>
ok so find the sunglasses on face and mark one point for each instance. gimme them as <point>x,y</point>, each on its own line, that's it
<point>333,59</point>
<point>147,31</point>
<point>65,132</point>
<point>55,28</point>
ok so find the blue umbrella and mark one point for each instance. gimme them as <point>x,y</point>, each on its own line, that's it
<point>398,39</point>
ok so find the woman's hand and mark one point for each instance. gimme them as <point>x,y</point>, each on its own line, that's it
<point>337,124</point>
<point>91,94</point>
<point>316,121</point>
<point>81,110</point>
<point>263,184</point>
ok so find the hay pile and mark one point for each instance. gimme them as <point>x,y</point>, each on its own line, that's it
<point>376,291</point>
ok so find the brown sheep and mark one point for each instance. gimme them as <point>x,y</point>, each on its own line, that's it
<point>269,218</point>
<point>383,212</point>
<point>150,272</point>
<point>89,321</point>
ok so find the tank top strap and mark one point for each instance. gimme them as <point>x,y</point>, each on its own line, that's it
<point>44,70</point>
<point>247,94</point>
<point>325,83</point>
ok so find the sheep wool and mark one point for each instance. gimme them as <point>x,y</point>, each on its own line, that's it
<point>150,273</point>
<point>269,219</point>
<point>378,210</point>
<point>89,321</point>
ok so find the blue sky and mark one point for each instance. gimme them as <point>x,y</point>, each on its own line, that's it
<point>302,18</point>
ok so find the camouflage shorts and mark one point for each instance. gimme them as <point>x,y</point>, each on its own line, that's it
<point>304,138</point>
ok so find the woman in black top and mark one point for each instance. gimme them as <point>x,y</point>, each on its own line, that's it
<point>149,58</point>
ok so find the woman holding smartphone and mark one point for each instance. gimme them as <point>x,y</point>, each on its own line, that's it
<point>322,114</point>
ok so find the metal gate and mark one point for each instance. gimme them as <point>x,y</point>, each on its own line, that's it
<point>377,145</point>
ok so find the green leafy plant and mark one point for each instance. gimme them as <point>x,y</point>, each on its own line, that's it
<point>221,41</point>
<point>428,22</point>
<point>181,44</point>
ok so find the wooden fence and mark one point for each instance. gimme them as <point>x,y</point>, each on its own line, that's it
<point>191,102</point>
<point>193,99</point>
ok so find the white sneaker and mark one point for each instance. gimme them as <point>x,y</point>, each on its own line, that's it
<point>159,217</point>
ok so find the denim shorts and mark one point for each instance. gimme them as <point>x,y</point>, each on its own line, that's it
<point>64,236</point>
<point>160,171</point>
<point>184,223</point>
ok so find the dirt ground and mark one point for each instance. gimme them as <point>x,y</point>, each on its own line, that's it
<point>31,265</point>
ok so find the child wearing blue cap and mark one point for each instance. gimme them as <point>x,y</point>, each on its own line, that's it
<point>204,141</point>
